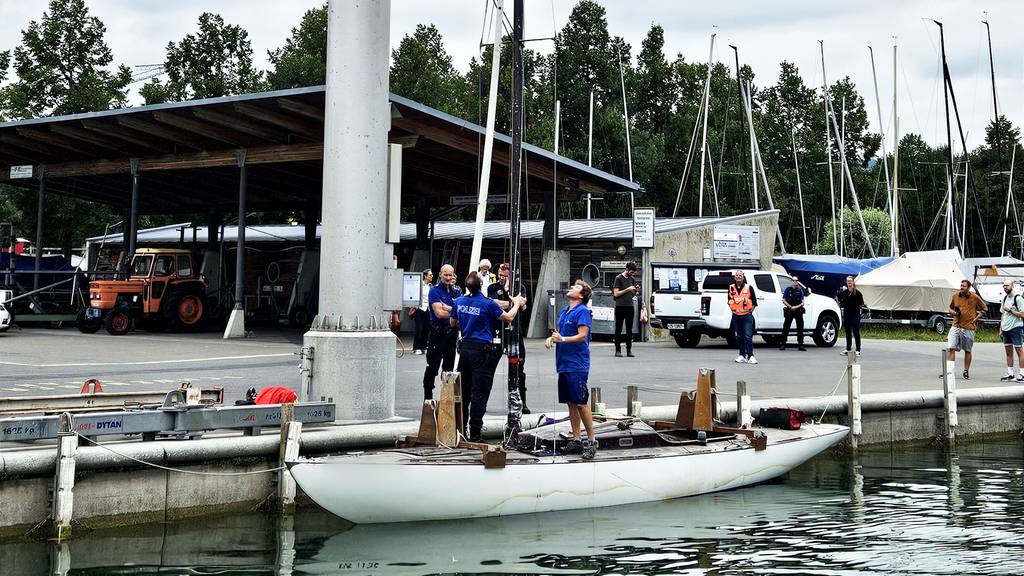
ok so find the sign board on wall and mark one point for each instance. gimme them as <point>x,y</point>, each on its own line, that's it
<point>411,286</point>
<point>737,242</point>
<point>21,172</point>
<point>474,200</point>
<point>643,228</point>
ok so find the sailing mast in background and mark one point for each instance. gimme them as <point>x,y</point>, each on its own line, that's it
<point>704,130</point>
<point>828,150</point>
<point>895,208</point>
<point>739,93</point>
<point>885,160</point>
<point>950,181</point>
<point>799,192</point>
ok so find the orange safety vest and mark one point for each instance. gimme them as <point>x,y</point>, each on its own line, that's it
<point>739,301</point>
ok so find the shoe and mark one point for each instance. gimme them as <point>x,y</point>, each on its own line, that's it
<point>589,449</point>
<point>741,360</point>
<point>1019,378</point>
<point>802,349</point>
<point>1007,378</point>
<point>618,354</point>
<point>966,375</point>
<point>783,347</point>
<point>845,353</point>
<point>630,354</point>
<point>751,360</point>
<point>858,353</point>
<point>475,436</point>
<point>574,446</point>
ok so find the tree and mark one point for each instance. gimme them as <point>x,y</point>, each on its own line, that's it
<point>422,70</point>
<point>302,61</point>
<point>216,61</point>
<point>877,223</point>
<point>61,65</point>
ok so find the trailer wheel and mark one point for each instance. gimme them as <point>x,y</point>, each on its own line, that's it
<point>87,325</point>
<point>118,321</point>
<point>827,332</point>
<point>939,324</point>
<point>688,339</point>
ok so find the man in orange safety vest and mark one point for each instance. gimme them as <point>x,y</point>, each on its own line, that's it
<point>742,301</point>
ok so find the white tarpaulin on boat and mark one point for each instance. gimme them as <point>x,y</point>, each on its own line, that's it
<point>988,274</point>
<point>917,281</point>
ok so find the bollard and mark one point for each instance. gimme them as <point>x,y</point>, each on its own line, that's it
<point>291,438</point>
<point>632,401</point>
<point>949,396</point>
<point>64,479</point>
<point>743,419</point>
<point>596,405</point>
<point>853,398</point>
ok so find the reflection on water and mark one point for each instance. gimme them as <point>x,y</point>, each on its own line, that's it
<point>914,511</point>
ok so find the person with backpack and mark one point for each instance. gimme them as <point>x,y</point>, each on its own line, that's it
<point>1011,328</point>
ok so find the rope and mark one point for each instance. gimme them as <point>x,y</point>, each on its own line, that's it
<point>830,394</point>
<point>169,469</point>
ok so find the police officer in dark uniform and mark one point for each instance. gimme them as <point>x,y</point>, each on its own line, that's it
<point>499,292</point>
<point>442,337</point>
<point>476,316</point>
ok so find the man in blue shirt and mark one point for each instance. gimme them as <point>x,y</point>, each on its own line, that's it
<point>793,308</point>
<point>442,338</point>
<point>476,315</point>
<point>572,360</point>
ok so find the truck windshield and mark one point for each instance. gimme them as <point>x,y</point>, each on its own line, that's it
<point>141,265</point>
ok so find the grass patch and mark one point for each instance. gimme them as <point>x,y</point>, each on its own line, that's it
<point>883,332</point>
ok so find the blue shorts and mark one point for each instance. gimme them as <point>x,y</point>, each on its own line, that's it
<point>1014,337</point>
<point>572,388</point>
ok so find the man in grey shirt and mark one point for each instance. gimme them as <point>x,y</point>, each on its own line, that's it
<point>624,290</point>
<point>1011,328</point>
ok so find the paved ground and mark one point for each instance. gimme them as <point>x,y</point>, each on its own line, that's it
<point>41,361</point>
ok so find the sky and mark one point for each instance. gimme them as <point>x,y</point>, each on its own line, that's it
<point>765,32</point>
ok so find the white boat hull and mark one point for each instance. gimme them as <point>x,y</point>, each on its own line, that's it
<point>392,486</point>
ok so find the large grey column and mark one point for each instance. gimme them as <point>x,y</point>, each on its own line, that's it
<point>353,350</point>
<point>39,227</point>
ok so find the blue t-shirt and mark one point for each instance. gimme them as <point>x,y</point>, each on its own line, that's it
<point>441,293</point>
<point>574,356</point>
<point>476,315</point>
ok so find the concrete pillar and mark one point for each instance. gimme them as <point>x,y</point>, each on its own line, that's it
<point>354,350</point>
<point>133,216</point>
<point>554,273</point>
<point>39,226</point>
<point>236,322</point>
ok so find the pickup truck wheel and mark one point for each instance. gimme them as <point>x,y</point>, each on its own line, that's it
<point>88,325</point>
<point>688,339</point>
<point>827,333</point>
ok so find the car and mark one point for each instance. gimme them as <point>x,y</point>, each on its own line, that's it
<point>822,320</point>
<point>675,299</point>
<point>6,313</point>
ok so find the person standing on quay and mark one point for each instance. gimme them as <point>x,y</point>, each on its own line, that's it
<point>851,301</point>
<point>793,308</point>
<point>966,307</point>
<point>443,336</point>
<point>624,290</point>
<point>572,360</point>
<point>420,314</point>
<point>1011,328</point>
<point>742,301</point>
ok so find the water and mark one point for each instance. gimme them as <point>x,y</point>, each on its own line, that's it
<point>915,511</point>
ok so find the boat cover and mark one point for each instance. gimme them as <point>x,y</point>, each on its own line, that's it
<point>916,281</point>
<point>825,274</point>
<point>988,280</point>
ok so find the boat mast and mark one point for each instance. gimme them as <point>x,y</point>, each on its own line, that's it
<point>799,192</point>
<point>849,182</point>
<point>590,144</point>
<point>704,130</point>
<point>950,181</point>
<point>842,184</point>
<point>881,129</point>
<point>995,102</point>
<point>756,156</point>
<point>828,150</point>
<point>625,116</point>
<point>895,213</point>
<point>1009,195</point>
<point>515,404</point>
<point>739,93</point>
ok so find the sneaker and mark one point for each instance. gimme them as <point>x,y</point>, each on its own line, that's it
<point>589,449</point>
<point>629,354</point>
<point>741,360</point>
<point>802,349</point>
<point>845,353</point>
<point>574,446</point>
<point>1007,378</point>
<point>618,354</point>
<point>1019,378</point>
<point>751,360</point>
<point>475,437</point>
<point>858,353</point>
<point>966,375</point>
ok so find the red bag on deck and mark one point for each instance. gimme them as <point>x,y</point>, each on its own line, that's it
<point>276,395</point>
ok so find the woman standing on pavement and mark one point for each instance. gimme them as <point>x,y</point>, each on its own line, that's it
<point>851,301</point>
<point>419,314</point>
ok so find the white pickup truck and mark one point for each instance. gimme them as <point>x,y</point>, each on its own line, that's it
<point>6,315</point>
<point>675,299</point>
<point>821,321</point>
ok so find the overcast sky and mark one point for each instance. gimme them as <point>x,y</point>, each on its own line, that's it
<point>766,33</point>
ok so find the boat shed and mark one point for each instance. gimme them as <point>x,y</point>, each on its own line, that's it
<point>263,152</point>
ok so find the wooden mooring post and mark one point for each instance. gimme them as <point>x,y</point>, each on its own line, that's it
<point>853,399</point>
<point>633,404</point>
<point>291,439</point>
<point>597,406</point>
<point>64,479</point>
<point>949,418</point>
<point>743,418</point>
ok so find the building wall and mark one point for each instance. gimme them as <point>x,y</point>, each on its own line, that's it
<point>688,245</point>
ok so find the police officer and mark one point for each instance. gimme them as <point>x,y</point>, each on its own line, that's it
<point>499,292</point>
<point>476,316</point>
<point>442,338</point>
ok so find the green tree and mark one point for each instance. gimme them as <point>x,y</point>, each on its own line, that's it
<point>422,70</point>
<point>877,223</point>
<point>61,66</point>
<point>302,61</point>
<point>216,61</point>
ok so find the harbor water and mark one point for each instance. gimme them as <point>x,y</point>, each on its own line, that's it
<point>907,511</point>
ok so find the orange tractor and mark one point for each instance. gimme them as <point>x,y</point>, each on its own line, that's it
<point>163,290</point>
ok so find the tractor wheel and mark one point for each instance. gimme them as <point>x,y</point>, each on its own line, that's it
<point>298,317</point>
<point>118,321</point>
<point>185,311</point>
<point>88,325</point>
